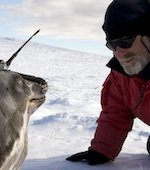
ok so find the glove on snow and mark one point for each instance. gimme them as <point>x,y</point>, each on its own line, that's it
<point>91,156</point>
<point>148,145</point>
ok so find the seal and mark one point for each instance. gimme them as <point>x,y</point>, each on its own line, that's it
<point>20,96</point>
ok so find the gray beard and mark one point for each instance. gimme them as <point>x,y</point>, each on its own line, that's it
<point>137,64</point>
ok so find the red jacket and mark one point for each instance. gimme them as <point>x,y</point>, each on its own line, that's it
<point>123,98</point>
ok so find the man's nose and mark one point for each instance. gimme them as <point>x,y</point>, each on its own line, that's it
<point>120,52</point>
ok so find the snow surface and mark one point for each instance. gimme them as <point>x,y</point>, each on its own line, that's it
<point>66,122</point>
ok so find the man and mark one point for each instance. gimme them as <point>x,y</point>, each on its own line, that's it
<point>126,91</point>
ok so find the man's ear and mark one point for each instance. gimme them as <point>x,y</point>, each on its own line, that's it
<point>146,42</point>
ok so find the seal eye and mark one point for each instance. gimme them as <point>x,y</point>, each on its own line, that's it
<point>20,82</point>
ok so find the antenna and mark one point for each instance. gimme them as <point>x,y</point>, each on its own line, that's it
<point>15,54</point>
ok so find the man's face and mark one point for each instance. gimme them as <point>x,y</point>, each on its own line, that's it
<point>133,59</point>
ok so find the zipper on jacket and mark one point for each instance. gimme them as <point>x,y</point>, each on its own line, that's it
<point>142,92</point>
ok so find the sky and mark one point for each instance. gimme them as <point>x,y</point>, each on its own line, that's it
<point>71,24</point>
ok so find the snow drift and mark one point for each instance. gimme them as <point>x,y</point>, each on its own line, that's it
<point>66,122</point>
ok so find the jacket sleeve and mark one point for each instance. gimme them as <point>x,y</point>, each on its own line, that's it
<point>115,120</point>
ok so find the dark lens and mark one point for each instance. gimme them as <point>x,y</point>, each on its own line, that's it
<point>123,43</point>
<point>112,46</point>
<point>126,43</point>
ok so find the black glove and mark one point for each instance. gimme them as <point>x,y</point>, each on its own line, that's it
<point>148,145</point>
<point>91,156</point>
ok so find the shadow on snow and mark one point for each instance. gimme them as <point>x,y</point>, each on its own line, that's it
<point>123,161</point>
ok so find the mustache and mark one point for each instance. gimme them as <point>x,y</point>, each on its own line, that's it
<point>127,56</point>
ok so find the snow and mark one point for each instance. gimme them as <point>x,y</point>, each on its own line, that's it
<point>66,122</point>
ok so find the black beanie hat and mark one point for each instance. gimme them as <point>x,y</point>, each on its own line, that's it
<point>127,17</point>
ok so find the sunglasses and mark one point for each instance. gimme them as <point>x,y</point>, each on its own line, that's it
<point>123,43</point>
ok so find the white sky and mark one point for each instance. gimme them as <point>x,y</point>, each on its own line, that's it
<point>73,24</point>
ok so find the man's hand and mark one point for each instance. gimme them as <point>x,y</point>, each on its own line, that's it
<point>148,145</point>
<point>91,156</point>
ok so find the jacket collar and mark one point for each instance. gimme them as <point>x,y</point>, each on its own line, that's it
<point>145,73</point>
<point>115,65</point>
